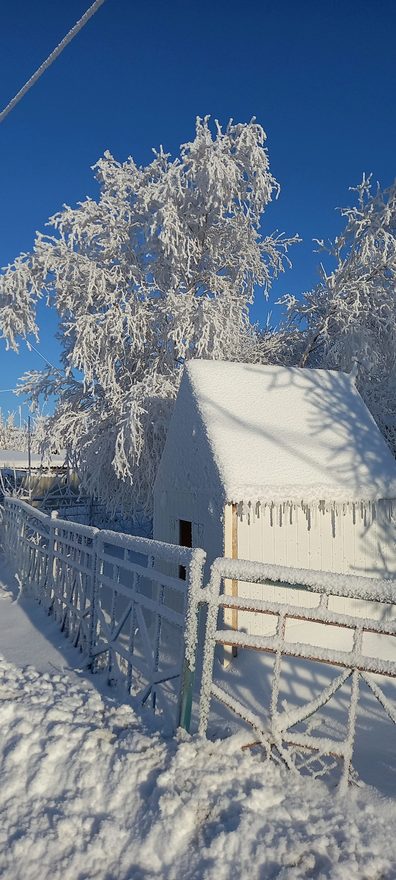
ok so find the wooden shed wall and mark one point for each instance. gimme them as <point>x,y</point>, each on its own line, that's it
<point>171,506</point>
<point>355,542</point>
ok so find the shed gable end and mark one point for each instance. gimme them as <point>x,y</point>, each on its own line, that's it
<point>187,463</point>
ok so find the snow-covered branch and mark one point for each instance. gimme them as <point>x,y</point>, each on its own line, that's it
<point>350,317</point>
<point>160,268</point>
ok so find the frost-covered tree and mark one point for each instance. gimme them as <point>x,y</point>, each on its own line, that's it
<point>15,436</point>
<point>160,268</point>
<point>349,319</point>
<point>11,436</point>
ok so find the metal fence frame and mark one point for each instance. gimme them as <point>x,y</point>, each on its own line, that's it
<point>67,567</point>
<point>277,732</point>
<point>62,564</point>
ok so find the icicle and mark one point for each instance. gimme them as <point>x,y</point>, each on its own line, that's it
<point>333,521</point>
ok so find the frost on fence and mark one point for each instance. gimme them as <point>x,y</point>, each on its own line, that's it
<point>55,562</point>
<point>26,542</point>
<point>141,603</point>
<point>120,599</point>
<point>73,572</point>
<point>299,684</point>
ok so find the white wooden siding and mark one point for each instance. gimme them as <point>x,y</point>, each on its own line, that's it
<point>170,506</point>
<point>330,541</point>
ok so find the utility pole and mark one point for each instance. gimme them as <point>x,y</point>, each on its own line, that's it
<point>29,454</point>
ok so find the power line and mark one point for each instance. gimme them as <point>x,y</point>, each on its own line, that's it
<point>51,58</point>
<point>47,361</point>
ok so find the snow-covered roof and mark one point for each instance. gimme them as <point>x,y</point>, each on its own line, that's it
<point>290,434</point>
<point>14,458</point>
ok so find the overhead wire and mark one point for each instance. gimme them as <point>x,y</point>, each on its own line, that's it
<point>51,58</point>
<point>47,361</point>
<point>22,92</point>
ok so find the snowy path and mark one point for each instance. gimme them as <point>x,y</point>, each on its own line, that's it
<point>90,791</point>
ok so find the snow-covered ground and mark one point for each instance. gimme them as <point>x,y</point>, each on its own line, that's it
<point>89,790</point>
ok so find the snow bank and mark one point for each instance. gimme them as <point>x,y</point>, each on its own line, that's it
<point>289,434</point>
<point>88,791</point>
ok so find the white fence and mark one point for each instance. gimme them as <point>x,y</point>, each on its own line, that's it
<point>116,596</point>
<point>121,599</point>
<point>305,634</point>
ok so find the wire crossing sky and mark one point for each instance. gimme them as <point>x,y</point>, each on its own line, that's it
<point>51,58</point>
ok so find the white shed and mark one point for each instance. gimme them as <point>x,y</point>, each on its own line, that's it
<point>280,465</point>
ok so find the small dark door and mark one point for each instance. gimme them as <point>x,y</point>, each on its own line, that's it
<point>185,540</point>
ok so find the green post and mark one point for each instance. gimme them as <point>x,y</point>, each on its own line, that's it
<point>186,697</point>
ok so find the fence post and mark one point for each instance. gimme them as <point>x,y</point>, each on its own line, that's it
<point>186,697</point>
<point>213,593</point>
<point>194,596</point>
<point>94,599</point>
<point>24,552</point>
<point>49,585</point>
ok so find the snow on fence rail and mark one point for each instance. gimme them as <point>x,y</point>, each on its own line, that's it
<point>279,732</point>
<point>116,596</point>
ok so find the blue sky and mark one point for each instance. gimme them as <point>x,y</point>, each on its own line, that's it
<point>320,78</point>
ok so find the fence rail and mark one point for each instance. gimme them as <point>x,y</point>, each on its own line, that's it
<point>117,597</point>
<point>281,729</point>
